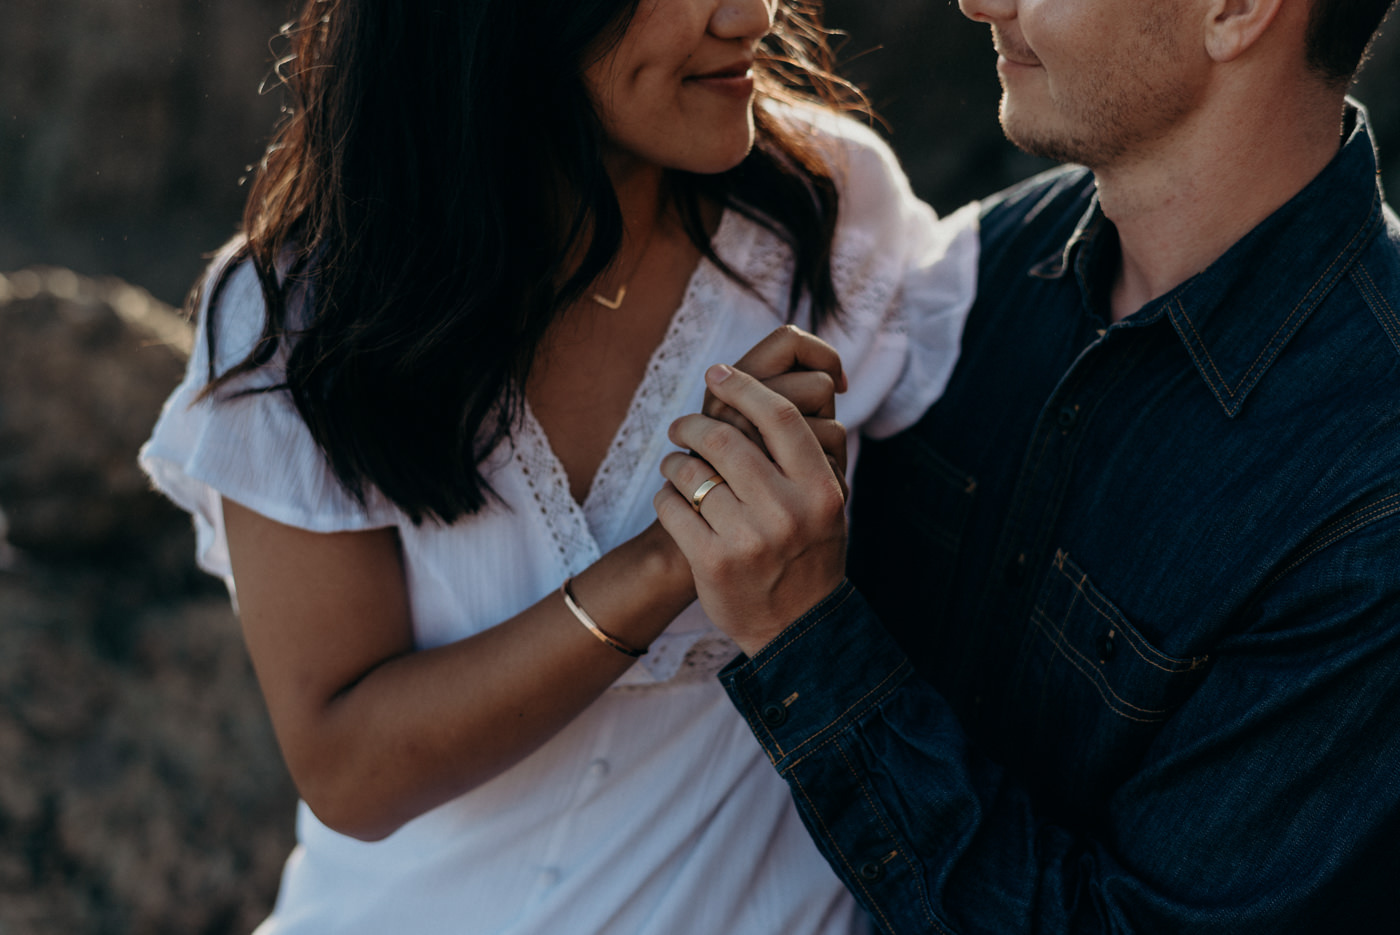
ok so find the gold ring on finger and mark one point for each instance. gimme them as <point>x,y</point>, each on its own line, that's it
<point>703,491</point>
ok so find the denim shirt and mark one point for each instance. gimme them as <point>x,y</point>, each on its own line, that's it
<point>1125,649</point>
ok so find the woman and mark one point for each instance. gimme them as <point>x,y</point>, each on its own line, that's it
<point>483,267</point>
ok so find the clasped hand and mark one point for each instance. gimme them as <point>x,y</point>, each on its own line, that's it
<point>769,542</point>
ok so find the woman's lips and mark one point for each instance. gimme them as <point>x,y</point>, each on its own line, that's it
<point>730,82</point>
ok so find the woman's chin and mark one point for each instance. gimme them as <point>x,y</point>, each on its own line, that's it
<point>715,159</point>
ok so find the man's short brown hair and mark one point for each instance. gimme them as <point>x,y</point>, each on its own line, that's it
<point>1340,32</point>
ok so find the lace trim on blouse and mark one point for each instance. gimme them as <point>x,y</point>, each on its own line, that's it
<point>866,287</point>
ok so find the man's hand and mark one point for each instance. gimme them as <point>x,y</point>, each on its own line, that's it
<point>769,542</point>
<point>803,369</point>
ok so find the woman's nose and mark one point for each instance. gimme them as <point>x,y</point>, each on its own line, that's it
<point>743,19</point>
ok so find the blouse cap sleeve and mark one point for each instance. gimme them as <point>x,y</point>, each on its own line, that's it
<point>255,448</point>
<point>906,279</point>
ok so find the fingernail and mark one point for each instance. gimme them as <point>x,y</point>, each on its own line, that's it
<point>718,374</point>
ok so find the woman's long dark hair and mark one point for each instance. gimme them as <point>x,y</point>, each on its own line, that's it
<point>410,209</point>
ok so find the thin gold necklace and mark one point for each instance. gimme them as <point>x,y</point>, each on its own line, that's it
<point>616,303</point>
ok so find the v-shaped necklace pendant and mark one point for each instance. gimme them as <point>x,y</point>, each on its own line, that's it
<point>613,304</point>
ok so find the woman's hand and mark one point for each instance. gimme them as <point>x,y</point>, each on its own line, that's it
<point>770,542</point>
<point>804,369</point>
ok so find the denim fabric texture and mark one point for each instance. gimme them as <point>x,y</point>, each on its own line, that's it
<point>1123,648</point>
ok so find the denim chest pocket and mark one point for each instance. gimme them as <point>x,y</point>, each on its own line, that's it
<point>1095,689</point>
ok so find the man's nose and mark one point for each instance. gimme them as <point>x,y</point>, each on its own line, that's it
<point>988,11</point>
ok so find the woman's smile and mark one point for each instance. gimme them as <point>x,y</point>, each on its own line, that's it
<point>644,86</point>
<point>731,81</point>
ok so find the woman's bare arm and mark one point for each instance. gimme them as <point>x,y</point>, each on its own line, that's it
<point>375,733</point>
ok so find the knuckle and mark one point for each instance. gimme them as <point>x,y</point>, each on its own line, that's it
<point>724,567</point>
<point>696,474</point>
<point>786,416</point>
<point>718,438</point>
<point>786,528</point>
<point>734,418</point>
<point>666,504</point>
<point>829,503</point>
<point>679,428</point>
<point>838,471</point>
<point>747,547</point>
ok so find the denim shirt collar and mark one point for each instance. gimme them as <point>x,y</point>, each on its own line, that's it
<point>1236,316</point>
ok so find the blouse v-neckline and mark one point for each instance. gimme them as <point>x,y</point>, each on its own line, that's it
<point>582,531</point>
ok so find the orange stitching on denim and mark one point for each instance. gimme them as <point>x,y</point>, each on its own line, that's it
<point>756,725</point>
<point>1101,605</point>
<point>865,794</point>
<point>1387,317</point>
<point>1345,526</point>
<point>850,871</point>
<point>788,641</point>
<point>1355,520</point>
<point>889,833</point>
<point>1307,299</point>
<point>1100,683</point>
<point>1349,524</point>
<point>1368,508</point>
<point>807,750</point>
<point>1097,679</point>
<point>838,724</point>
<point>789,638</point>
<point>1310,300</point>
<point>1201,341</point>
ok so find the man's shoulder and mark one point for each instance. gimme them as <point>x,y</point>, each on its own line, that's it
<point>1383,255</point>
<point>1036,217</point>
<point>1376,275</point>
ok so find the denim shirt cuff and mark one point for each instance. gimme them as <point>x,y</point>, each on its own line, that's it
<point>817,677</point>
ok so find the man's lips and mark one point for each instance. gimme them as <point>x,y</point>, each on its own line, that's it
<point>1016,56</point>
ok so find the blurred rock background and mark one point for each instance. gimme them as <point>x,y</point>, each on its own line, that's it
<point>140,785</point>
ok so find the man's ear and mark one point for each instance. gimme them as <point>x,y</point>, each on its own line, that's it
<point>1233,26</point>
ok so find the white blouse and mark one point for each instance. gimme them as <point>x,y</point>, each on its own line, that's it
<point>654,811</point>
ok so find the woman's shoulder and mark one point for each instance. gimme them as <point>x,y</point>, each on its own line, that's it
<point>245,441</point>
<point>230,314</point>
<point>850,131</point>
<point>873,186</point>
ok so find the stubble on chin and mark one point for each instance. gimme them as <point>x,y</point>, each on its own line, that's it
<point>1090,138</point>
<point>1100,118</point>
<point>1044,143</point>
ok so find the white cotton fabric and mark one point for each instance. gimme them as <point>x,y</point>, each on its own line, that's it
<point>654,812</point>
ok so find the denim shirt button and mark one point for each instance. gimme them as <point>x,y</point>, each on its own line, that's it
<point>1106,647</point>
<point>774,715</point>
<point>872,870</point>
<point>1067,417</point>
<point>1015,571</point>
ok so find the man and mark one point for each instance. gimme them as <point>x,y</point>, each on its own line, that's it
<point>1141,562</point>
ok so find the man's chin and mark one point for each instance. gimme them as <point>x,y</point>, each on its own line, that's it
<point>1038,142</point>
